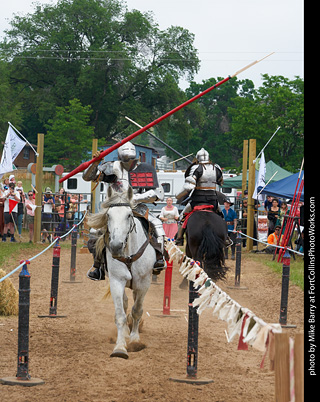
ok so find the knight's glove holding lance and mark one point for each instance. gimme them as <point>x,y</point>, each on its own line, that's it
<point>91,173</point>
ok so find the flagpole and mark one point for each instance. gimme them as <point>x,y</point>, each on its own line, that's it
<point>14,222</point>
<point>267,183</point>
<point>23,137</point>
<point>267,143</point>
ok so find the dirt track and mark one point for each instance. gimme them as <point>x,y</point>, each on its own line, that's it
<point>72,354</point>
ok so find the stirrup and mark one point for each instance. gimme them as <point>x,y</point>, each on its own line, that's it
<point>159,266</point>
<point>228,242</point>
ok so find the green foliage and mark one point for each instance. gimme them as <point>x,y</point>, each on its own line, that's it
<point>69,138</point>
<point>210,119</point>
<point>79,66</point>
<point>10,107</point>
<point>279,102</point>
<point>100,53</point>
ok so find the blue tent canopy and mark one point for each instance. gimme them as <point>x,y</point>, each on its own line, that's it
<point>285,188</point>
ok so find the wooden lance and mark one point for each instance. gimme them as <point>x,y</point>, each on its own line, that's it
<point>85,165</point>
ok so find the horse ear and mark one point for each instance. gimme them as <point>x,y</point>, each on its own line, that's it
<point>130,193</point>
<point>110,191</point>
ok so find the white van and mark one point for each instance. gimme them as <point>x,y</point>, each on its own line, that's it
<point>76,184</point>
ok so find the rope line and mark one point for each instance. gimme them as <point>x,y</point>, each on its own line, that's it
<point>260,241</point>
<point>43,251</point>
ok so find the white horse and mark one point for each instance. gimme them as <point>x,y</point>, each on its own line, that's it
<point>130,259</point>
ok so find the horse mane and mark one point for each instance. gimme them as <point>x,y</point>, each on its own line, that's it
<point>118,198</point>
<point>99,219</point>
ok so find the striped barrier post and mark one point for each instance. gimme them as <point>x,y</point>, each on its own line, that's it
<point>167,289</point>
<point>285,291</point>
<point>74,237</point>
<point>192,347</point>
<point>23,377</point>
<point>238,266</point>
<point>54,283</point>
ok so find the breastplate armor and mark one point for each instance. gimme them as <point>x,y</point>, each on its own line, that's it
<point>208,180</point>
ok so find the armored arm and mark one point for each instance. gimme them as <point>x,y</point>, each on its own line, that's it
<point>219,174</point>
<point>189,184</point>
<point>149,196</point>
<point>91,174</point>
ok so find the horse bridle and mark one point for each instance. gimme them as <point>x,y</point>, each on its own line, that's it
<point>134,257</point>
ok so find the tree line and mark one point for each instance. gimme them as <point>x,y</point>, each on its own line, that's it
<point>73,70</point>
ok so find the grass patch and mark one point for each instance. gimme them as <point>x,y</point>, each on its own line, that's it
<point>296,267</point>
<point>10,250</point>
<point>12,253</point>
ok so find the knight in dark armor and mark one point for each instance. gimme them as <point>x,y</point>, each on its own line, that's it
<point>200,188</point>
<point>142,178</point>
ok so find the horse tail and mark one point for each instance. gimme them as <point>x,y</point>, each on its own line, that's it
<point>211,253</point>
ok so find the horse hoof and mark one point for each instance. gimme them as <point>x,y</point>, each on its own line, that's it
<point>119,353</point>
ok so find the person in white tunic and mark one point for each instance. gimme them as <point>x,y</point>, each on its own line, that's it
<point>169,216</point>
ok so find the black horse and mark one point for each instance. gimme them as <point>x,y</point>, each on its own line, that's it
<point>206,235</point>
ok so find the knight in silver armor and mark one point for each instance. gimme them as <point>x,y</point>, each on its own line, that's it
<point>200,187</point>
<point>117,174</point>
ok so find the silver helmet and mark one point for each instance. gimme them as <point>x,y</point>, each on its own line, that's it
<point>127,152</point>
<point>203,156</point>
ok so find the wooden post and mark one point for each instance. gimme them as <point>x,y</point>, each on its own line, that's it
<point>299,367</point>
<point>93,192</point>
<point>39,180</point>
<point>282,368</point>
<point>281,364</point>
<point>244,166</point>
<point>251,185</point>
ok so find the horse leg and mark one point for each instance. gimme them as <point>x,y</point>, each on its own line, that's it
<point>125,301</point>
<point>117,292</point>
<point>136,314</point>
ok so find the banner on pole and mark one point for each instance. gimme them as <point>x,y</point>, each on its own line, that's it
<point>12,147</point>
<point>12,205</point>
<point>261,182</point>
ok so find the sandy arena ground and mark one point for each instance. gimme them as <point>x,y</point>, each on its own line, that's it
<point>71,354</point>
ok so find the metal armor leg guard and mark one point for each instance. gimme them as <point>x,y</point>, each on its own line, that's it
<point>159,232</point>
<point>99,265</point>
<point>179,235</point>
<point>181,230</point>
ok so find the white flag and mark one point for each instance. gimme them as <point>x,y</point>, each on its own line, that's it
<point>12,147</point>
<point>261,182</point>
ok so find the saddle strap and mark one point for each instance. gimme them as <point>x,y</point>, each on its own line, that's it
<point>134,257</point>
<point>205,208</point>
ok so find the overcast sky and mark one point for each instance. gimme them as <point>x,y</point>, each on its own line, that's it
<point>229,34</point>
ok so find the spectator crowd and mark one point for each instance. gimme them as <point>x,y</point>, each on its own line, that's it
<point>17,210</point>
